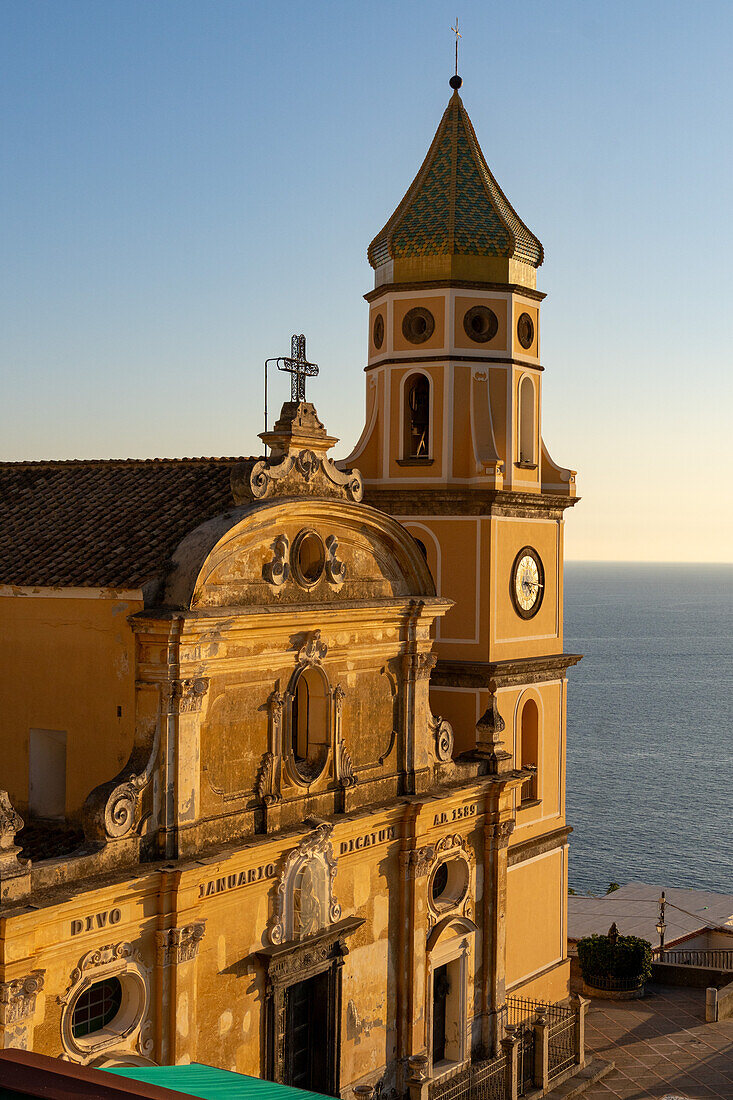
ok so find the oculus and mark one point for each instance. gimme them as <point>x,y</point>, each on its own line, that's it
<point>96,1007</point>
<point>308,558</point>
<point>527,582</point>
<point>525,331</point>
<point>449,883</point>
<point>378,331</point>
<point>480,324</point>
<point>418,325</point>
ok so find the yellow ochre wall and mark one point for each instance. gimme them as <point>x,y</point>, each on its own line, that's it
<point>67,664</point>
<point>536,926</point>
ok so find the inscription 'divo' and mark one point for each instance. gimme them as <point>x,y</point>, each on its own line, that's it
<point>96,920</point>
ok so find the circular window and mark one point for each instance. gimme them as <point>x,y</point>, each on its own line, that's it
<point>481,324</point>
<point>96,1007</point>
<point>308,558</point>
<point>418,325</point>
<point>378,331</point>
<point>525,331</point>
<point>449,883</point>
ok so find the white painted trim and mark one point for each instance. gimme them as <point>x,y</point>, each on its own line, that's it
<point>533,859</point>
<point>530,637</point>
<point>61,593</point>
<point>366,435</point>
<point>535,973</point>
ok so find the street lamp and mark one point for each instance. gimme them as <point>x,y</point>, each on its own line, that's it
<point>661,926</point>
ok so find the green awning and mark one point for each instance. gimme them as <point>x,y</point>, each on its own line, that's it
<point>209,1083</point>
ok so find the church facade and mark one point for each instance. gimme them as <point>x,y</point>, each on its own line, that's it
<point>288,736</point>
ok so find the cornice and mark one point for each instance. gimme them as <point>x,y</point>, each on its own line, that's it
<point>455,284</point>
<point>483,360</point>
<point>538,845</point>
<point>499,674</point>
<point>448,500</point>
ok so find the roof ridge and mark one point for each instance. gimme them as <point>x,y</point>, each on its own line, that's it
<point>56,462</point>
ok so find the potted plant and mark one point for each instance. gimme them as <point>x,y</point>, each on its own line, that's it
<point>614,966</point>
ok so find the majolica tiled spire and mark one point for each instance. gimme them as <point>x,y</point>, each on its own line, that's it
<point>455,220</point>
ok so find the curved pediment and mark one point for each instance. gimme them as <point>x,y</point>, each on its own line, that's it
<point>296,551</point>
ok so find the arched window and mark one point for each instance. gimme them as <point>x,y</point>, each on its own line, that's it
<point>309,723</point>
<point>526,420</point>
<point>96,1007</point>
<point>417,417</point>
<point>529,745</point>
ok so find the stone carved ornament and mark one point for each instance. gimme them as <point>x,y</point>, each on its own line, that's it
<point>277,571</point>
<point>178,945</point>
<point>315,912</point>
<point>101,956</point>
<point>313,651</point>
<point>10,823</point>
<point>112,810</point>
<point>304,471</point>
<point>18,997</point>
<point>442,732</point>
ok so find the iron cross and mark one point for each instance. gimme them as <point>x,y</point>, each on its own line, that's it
<point>298,368</point>
<point>458,35</point>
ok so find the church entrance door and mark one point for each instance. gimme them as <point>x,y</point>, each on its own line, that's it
<point>441,988</point>
<point>307,1035</point>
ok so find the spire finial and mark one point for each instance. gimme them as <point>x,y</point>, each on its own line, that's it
<point>455,80</point>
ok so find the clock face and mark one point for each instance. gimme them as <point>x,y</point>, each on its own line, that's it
<point>528,582</point>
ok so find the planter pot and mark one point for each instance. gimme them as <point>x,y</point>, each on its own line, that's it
<point>613,989</point>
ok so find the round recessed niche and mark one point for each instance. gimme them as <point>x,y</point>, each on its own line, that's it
<point>480,324</point>
<point>418,325</point>
<point>449,883</point>
<point>525,331</point>
<point>378,331</point>
<point>308,558</point>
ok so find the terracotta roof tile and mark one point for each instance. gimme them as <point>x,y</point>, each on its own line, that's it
<point>105,524</point>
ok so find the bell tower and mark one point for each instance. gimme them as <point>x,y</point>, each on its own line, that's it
<point>453,447</point>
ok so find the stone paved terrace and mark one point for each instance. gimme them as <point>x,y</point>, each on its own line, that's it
<point>661,1046</point>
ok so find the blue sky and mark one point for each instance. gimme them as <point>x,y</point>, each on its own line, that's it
<point>186,184</point>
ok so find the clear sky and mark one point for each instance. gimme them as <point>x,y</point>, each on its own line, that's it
<point>184,184</point>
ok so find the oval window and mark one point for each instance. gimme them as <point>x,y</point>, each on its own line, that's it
<point>480,324</point>
<point>96,1007</point>
<point>378,331</point>
<point>449,883</point>
<point>418,325</point>
<point>525,331</point>
<point>308,558</point>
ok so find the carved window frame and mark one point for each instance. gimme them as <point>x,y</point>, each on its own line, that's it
<point>295,775</point>
<point>121,961</point>
<point>450,849</point>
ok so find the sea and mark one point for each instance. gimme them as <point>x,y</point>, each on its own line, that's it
<point>650,725</point>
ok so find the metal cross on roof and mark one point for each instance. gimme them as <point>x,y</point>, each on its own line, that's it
<point>298,367</point>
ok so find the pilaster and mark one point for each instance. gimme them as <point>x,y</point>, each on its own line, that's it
<point>176,952</point>
<point>18,1010</point>
<point>493,993</point>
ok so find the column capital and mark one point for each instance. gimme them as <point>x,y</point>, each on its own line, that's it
<point>18,997</point>
<point>178,945</point>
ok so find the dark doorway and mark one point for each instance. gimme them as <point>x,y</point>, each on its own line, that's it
<point>441,989</point>
<point>307,1035</point>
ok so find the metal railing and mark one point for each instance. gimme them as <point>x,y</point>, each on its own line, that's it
<point>720,959</point>
<point>561,1043</point>
<point>484,1080</point>
<point>542,1044</point>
